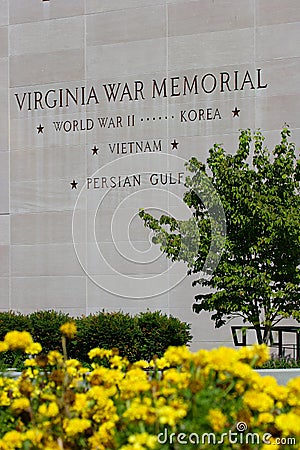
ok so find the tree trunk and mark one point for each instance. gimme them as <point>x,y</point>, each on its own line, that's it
<point>267,335</point>
<point>263,337</point>
<point>259,335</point>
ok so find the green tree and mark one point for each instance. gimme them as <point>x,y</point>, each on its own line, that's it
<point>256,274</point>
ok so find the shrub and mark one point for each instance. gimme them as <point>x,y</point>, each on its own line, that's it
<point>281,363</point>
<point>11,320</point>
<point>158,331</point>
<point>44,327</point>
<point>108,330</point>
<point>135,337</point>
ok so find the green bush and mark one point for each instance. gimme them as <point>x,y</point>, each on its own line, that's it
<point>44,328</point>
<point>11,320</point>
<point>281,363</point>
<point>106,330</point>
<point>136,337</point>
<point>158,331</point>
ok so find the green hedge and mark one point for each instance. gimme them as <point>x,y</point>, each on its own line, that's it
<point>137,337</point>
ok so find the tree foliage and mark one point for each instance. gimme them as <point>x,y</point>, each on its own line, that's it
<point>256,274</point>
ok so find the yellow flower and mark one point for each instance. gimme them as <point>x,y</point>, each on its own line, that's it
<point>30,372</point>
<point>172,413</point>
<point>100,353</point>
<point>50,410</point>
<point>173,376</point>
<point>95,443</point>
<point>20,404</point>
<point>279,393</point>
<point>256,354</point>
<point>201,358</point>
<point>3,347</point>
<point>55,358</point>
<point>264,418</point>
<point>105,376</point>
<point>18,340</point>
<point>117,362</point>
<point>143,439</point>
<point>81,402</point>
<point>30,362</point>
<point>159,363</point>
<point>258,401</point>
<point>69,329</point>
<point>141,364</point>
<point>4,399</point>
<point>106,431</point>
<point>217,419</point>
<point>242,371</point>
<point>34,348</point>
<point>141,409</point>
<point>177,355</point>
<point>73,363</point>
<point>240,387</point>
<point>134,382</point>
<point>53,409</point>
<point>293,399</point>
<point>102,402</point>
<point>218,359</point>
<point>264,382</point>
<point>271,444</point>
<point>52,445</point>
<point>288,423</point>
<point>47,396</point>
<point>34,435</point>
<point>75,426</point>
<point>294,385</point>
<point>13,439</point>
<point>73,366</point>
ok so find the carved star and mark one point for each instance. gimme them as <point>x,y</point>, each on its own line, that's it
<point>95,150</point>
<point>174,144</point>
<point>74,184</point>
<point>236,112</point>
<point>40,129</point>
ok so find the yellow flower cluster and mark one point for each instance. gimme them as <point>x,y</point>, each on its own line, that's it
<point>20,340</point>
<point>217,419</point>
<point>69,329</point>
<point>58,404</point>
